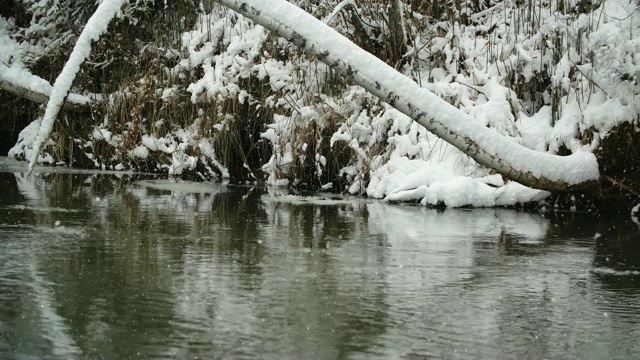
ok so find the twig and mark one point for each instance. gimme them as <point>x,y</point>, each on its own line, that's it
<point>621,185</point>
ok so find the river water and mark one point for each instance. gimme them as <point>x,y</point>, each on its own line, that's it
<point>103,266</point>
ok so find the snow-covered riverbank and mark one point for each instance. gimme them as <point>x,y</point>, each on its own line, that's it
<point>552,79</point>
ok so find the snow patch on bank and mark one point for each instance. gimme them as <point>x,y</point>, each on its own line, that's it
<point>402,179</point>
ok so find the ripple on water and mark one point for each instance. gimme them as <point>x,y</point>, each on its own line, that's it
<point>609,271</point>
<point>185,276</point>
<point>30,229</point>
<point>192,187</point>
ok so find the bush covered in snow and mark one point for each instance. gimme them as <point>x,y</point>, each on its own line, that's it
<point>194,89</point>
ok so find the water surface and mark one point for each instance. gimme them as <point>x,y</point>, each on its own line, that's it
<point>96,266</point>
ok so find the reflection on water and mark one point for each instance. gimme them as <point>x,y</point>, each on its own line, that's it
<point>94,267</point>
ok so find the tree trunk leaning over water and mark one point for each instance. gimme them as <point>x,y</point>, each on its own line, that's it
<point>95,27</point>
<point>528,167</point>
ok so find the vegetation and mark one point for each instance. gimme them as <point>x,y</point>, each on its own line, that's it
<point>193,89</point>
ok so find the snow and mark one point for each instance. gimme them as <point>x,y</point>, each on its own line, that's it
<point>494,111</point>
<point>13,69</point>
<point>393,157</point>
<point>612,272</point>
<point>578,167</point>
<point>402,179</point>
<point>95,27</point>
<point>140,152</point>
<point>22,77</point>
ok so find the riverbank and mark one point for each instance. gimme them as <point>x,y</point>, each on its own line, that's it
<point>214,97</point>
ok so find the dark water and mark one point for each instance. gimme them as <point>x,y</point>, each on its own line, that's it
<point>96,267</point>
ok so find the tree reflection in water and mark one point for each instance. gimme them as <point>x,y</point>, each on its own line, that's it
<point>155,269</point>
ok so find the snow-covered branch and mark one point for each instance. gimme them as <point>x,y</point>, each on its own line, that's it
<point>24,84</point>
<point>95,27</point>
<point>486,146</point>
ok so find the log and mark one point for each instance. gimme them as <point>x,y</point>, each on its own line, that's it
<point>42,98</point>
<point>534,169</point>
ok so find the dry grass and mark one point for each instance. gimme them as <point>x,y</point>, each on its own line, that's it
<point>130,64</point>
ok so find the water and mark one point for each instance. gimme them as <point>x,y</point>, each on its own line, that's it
<point>93,266</point>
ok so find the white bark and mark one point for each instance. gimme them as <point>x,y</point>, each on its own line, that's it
<point>95,27</point>
<point>487,147</point>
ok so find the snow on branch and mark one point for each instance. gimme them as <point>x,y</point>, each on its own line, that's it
<point>23,83</point>
<point>485,145</point>
<point>96,26</point>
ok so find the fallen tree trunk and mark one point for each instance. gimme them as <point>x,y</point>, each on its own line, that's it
<point>41,97</point>
<point>528,167</point>
<point>97,24</point>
